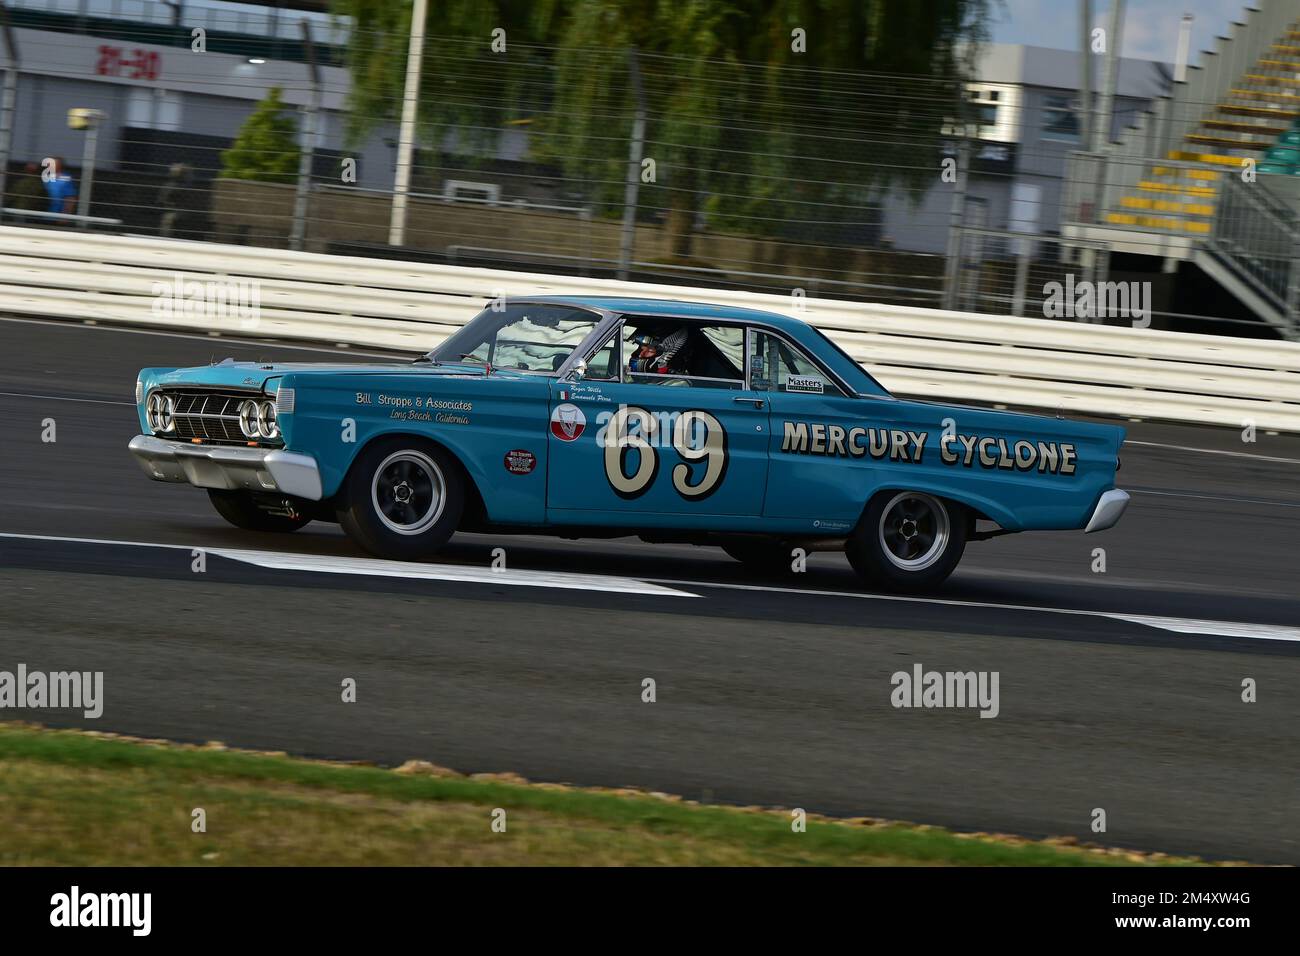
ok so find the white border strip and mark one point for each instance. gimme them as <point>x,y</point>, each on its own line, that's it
<point>279,560</point>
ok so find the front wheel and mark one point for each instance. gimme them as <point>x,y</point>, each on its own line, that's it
<point>402,499</point>
<point>908,540</point>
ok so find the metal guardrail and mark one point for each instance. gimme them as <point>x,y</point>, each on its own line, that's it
<point>60,219</point>
<point>1049,364</point>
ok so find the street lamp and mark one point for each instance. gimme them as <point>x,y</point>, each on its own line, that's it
<point>89,120</point>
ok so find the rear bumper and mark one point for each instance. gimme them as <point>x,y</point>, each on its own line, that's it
<point>1110,508</point>
<point>228,467</point>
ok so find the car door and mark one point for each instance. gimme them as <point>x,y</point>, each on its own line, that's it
<point>676,446</point>
<point>820,455</point>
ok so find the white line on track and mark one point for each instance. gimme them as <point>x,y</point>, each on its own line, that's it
<point>375,567</point>
<point>1235,500</point>
<point>1214,451</point>
<point>63,398</point>
<point>1269,632</point>
<point>1260,632</point>
<point>669,587</point>
<point>283,561</point>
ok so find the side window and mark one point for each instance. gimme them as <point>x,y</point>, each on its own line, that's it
<point>676,352</point>
<point>775,366</point>
<point>603,366</point>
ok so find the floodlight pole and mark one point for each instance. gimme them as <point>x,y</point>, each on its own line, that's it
<point>406,135</point>
<point>8,98</point>
<point>302,194</point>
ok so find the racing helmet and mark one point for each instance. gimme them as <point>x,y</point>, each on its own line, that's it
<point>655,353</point>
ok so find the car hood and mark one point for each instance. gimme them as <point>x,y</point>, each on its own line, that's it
<point>264,375</point>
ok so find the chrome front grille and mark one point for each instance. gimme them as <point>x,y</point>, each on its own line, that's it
<point>211,416</point>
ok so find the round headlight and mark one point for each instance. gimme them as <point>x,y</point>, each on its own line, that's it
<point>167,413</point>
<point>248,415</point>
<point>266,424</point>
<point>160,412</point>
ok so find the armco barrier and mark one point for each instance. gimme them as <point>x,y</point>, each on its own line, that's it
<point>1049,364</point>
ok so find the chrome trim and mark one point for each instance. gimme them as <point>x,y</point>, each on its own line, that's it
<point>845,391</point>
<point>229,468</point>
<point>437,492</point>
<point>633,378</point>
<point>562,372</point>
<point>1110,508</point>
<point>267,427</point>
<point>889,539</point>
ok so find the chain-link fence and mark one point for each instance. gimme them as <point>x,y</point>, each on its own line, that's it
<point>605,162</point>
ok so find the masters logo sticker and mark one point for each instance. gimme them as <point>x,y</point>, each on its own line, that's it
<point>805,383</point>
<point>568,422</point>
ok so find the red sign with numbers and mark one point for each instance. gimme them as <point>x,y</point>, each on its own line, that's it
<point>134,64</point>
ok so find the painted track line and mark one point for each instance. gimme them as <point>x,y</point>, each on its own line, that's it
<point>668,587</point>
<point>376,567</point>
<point>1214,451</point>
<point>1230,629</point>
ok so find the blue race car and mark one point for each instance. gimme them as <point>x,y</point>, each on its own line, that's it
<point>604,417</point>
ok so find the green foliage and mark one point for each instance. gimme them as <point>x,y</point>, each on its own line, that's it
<point>266,149</point>
<point>464,84</point>
<point>760,137</point>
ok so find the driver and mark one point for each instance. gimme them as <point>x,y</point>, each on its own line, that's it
<point>664,356</point>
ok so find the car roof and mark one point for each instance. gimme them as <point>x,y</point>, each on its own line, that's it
<point>634,305</point>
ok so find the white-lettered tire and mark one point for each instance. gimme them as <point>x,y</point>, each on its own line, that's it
<point>241,510</point>
<point>402,498</point>
<point>908,540</point>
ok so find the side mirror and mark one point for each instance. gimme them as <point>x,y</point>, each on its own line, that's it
<point>579,371</point>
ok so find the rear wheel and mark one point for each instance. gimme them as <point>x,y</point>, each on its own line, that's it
<point>764,555</point>
<point>908,540</point>
<point>402,499</point>
<point>242,510</point>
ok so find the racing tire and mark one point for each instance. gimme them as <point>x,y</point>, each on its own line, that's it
<point>402,499</point>
<point>908,541</point>
<point>239,508</point>
<point>762,555</point>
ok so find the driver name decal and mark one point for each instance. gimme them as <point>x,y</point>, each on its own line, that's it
<point>896,444</point>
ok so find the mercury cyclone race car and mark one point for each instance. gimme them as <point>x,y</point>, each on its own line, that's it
<point>607,416</point>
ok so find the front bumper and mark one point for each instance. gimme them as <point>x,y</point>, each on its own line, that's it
<point>1110,508</point>
<point>228,467</point>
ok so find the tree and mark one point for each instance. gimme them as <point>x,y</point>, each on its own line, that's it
<point>266,149</point>
<point>761,134</point>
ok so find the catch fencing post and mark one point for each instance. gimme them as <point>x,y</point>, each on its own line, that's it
<point>307,151</point>
<point>7,99</point>
<point>635,151</point>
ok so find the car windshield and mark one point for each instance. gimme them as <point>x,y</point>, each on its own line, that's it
<point>530,337</point>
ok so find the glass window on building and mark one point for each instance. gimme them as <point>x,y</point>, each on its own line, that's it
<point>1059,118</point>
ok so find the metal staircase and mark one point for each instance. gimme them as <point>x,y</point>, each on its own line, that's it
<point>1185,183</point>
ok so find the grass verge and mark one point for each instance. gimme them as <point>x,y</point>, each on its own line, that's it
<point>74,798</point>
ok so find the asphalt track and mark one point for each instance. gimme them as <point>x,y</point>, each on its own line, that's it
<point>1118,690</point>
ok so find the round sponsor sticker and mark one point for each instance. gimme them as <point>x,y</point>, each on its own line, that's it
<point>568,422</point>
<point>520,461</point>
